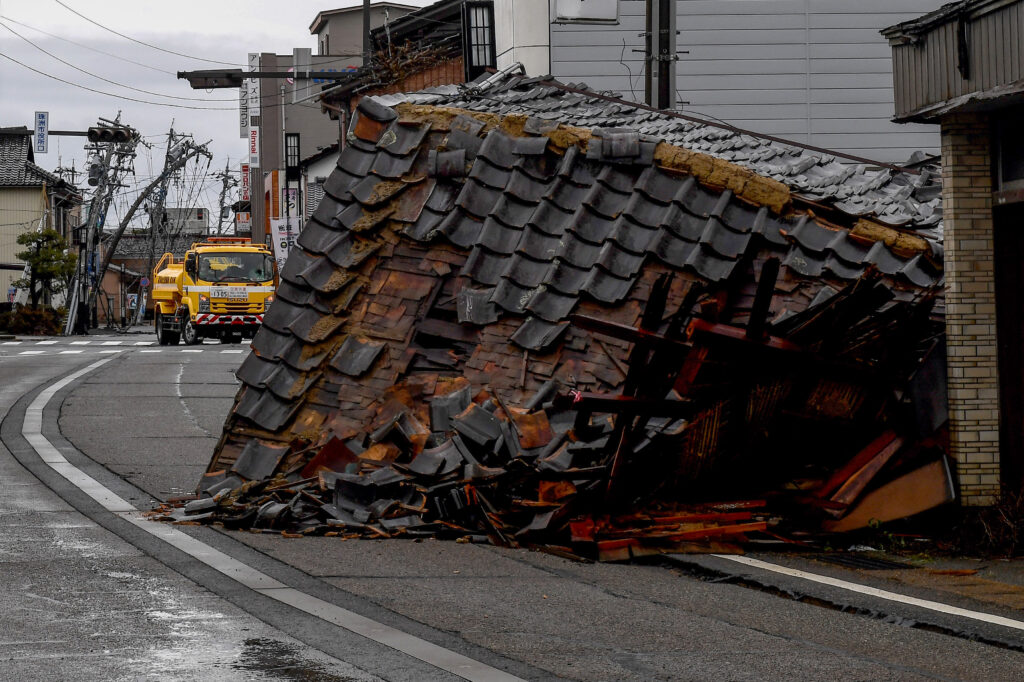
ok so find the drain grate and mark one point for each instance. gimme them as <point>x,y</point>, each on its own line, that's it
<point>865,563</point>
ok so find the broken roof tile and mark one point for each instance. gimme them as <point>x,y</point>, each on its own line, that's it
<point>356,355</point>
<point>446,163</point>
<point>403,138</point>
<point>474,306</point>
<point>537,334</point>
<point>258,459</point>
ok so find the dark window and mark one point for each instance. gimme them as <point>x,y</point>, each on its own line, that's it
<point>478,38</point>
<point>291,155</point>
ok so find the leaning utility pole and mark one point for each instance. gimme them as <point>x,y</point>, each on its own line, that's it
<point>112,144</point>
<point>188,150</point>
<point>157,213</point>
<point>227,180</point>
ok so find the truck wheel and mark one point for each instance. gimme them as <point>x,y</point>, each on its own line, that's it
<point>189,334</point>
<point>164,337</point>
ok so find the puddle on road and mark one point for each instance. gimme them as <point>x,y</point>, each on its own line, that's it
<point>279,660</point>
<point>192,638</point>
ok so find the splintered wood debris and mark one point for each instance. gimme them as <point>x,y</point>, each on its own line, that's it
<point>719,436</point>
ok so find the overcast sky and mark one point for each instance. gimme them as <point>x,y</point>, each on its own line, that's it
<point>220,31</point>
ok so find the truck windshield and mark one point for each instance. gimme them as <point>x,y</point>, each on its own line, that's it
<point>225,266</point>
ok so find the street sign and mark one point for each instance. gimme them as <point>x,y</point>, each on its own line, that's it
<point>42,128</point>
<point>243,189</point>
<point>254,111</point>
<point>145,282</point>
<point>243,110</point>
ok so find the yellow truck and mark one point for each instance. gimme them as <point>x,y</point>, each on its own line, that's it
<point>220,289</point>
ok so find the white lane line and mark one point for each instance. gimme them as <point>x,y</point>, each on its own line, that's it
<point>111,350</point>
<point>430,653</point>
<point>46,343</point>
<point>111,343</point>
<point>232,351</point>
<point>875,592</point>
<point>32,352</point>
<point>11,343</point>
<point>152,350</point>
<point>191,350</point>
<point>70,352</point>
<point>80,343</point>
<point>143,343</point>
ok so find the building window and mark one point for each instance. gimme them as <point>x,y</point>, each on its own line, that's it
<point>478,38</point>
<point>291,155</point>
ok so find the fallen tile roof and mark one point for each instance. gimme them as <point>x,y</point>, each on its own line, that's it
<point>911,200</point>
<point>456,243</point>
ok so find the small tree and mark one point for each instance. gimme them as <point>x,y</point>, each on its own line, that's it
<point>51,265</point>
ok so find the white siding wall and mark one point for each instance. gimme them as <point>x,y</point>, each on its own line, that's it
<point>816,71</point>
<point>20,211</point>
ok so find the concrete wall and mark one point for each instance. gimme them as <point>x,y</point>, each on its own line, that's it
<point>814,71</point>
<point>971,305</point>
<point>521,35</point>
<point>343,33</point>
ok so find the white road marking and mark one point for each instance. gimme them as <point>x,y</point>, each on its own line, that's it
<point>46,343</point>
<point>232,351</point>
<point>143,343</point>
<point>70,352</point>
<point>152,350</point>
<point>111,350</point>
<point>875,592</point>
<point>11,343</point>
<point>435,655</point>
<point>191,350</point>
<point>80,343</point>
<point>111,343</point>
<point>32,352</point>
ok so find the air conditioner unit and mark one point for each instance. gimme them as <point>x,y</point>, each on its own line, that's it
<point>587,11</point>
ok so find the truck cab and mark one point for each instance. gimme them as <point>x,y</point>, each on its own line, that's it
<point>220,289</point>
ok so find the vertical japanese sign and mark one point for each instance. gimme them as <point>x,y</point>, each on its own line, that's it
<point>290,195</point>
<point>243,110</point>
<point>243,187</point>
<point>254,111</point>
<point>284,231</point>
<point>42,128</point>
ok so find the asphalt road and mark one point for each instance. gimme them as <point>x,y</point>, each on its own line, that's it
<point>81,590</point>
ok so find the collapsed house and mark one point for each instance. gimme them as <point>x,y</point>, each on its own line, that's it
<point>501,324</point>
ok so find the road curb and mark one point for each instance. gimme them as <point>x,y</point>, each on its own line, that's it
<point>712,569</point>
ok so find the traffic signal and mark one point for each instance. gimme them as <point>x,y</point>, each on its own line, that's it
<point>108,134</point>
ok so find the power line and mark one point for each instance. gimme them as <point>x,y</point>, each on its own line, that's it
<point>86,47</point>
<point>143,101</point>
<point>140,42</point>
<point>110,94</point>
<point>107,80</point>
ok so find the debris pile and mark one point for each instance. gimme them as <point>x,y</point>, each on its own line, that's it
<point>720,434</point>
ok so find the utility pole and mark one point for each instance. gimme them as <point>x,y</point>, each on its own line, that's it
<point>227,180</point>
<point>185,151</point>
<point>367,46</point>
<point>112,144</point>
<point>660,54</point>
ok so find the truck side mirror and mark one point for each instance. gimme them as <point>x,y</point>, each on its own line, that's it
<point>190,266</point>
